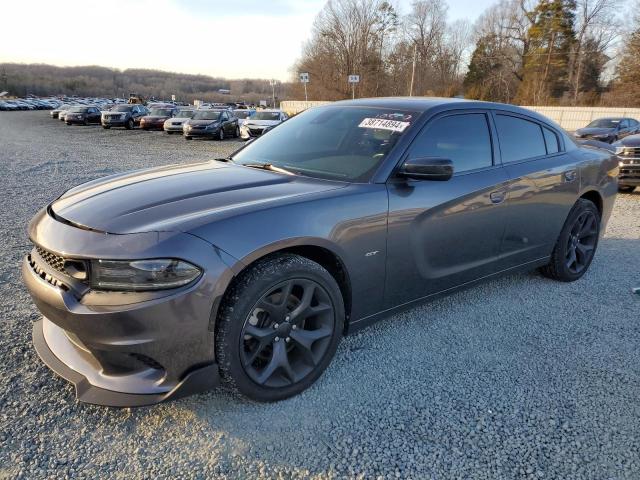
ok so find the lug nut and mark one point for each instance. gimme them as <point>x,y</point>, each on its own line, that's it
<point>287,318</point>
<point>277,339</point>
<point>275,325</point>
<point>287,339</point>
<point>294,327</point>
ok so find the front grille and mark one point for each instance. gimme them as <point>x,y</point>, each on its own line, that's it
<point>54,261</point>
<point>44,275</point>
<point>630,169</point>
<point>255,131</point>
<point>631,152</point>
<point>148,361</point>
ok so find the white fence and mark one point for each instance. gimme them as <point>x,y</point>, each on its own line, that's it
<point>572,118</point>
<point>569,118</point>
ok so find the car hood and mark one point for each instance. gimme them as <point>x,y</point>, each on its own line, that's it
<point>154,118</point>
<point>202,122</point>
<point>262,123</point>
<point>594,131</point>
<point>630,141</point>
<point>178,198</point>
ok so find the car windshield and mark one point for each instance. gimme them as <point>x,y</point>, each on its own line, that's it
<point>185,114</point>
<point>122,108</point>
<point>78,110</point>
<point>242,113</point>
<point>339,143</point>
<point>604,123</point>
<point>206,115</point>
<point>266,116</point>
<point>161,112</point>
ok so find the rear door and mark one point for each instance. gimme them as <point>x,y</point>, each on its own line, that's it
<point>445,233</point>
<point>543,186</point>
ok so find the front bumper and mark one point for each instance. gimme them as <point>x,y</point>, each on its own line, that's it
<point>125,349</point>
<point>202,132</point>
<point>152,125</point>
<point>629,172</point>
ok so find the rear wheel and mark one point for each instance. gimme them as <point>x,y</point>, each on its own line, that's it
<point>625,189</point>
<point>576,245</point>
<point>221,134</point>
<point>279,327</point>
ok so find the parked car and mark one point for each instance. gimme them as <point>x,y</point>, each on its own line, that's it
<point>259,121</point>
<point>175,124</point>
<point>62,114</point>
<point>628,152</point>
<point>163,282</point>
<point>127,116</point>
<point>243,114</point>
<point>609,129</point>
<point>156,118</point>
<point>54,113</point>
<point>211,123</point>
<point>82,115</point>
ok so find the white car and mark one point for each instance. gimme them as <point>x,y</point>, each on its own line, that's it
<point>260,121</point>
<point>175,124</point>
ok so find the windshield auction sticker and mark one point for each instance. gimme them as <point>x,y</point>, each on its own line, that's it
<point>384,124</point>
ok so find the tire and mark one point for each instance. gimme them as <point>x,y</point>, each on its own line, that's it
<point>625,189</point>
<point>130,124</point>
<point>236,133</point>
<point>106,127</point>
<point>85,122</point>
<point>248,365</point>
<point>576,245</point>
<point>221,134</point>
<point>188,138</point>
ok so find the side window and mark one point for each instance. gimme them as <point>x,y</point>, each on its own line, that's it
<point>519,139</point>
<point>624,123</point>
<point>464,139</point>
<point>551,139</point>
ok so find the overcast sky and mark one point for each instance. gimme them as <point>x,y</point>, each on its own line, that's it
<point>227,38</point>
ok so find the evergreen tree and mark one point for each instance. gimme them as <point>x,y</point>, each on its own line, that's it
<point>626,89</point>
<point>551,38</point>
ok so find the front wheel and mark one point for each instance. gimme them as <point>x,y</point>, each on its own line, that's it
<point>576,245</point>
<point>130,124</point>
<point>186,137</point>
<point>279,327</point>
<point>221,134</point>
<point>236,133</point>
<point>106,127</point>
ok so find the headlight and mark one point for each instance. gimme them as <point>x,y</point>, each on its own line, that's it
<point>619,150</point>
<point>139,275</point>
<point>602,135</point>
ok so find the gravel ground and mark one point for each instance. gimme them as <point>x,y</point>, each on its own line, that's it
<point>521,377</point>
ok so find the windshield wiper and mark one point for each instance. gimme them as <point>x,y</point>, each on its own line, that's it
<point>268,166</point>
<point>225,160</point>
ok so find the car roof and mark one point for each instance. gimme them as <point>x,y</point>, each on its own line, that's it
<point>436,104</point>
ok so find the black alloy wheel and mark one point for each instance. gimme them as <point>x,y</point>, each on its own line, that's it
<point>576,245</point>
<point>287,333</point>
<point>581,244</point>
<point>278,327</point>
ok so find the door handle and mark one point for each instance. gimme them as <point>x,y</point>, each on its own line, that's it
<point>570,175</point>
<point>498,197</point>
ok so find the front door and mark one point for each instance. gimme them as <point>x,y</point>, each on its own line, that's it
<point>442,234</point>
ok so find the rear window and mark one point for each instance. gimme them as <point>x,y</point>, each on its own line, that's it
<point>551,139</point>
<point>519,139</point>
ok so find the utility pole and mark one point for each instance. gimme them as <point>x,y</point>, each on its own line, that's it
<point>272,82</point>
<point>304,78</point>
<point>413,69</point>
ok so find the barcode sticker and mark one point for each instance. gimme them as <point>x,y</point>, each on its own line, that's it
<point>380,123</point>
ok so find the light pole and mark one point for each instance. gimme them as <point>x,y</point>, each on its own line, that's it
<point>273,92</point>
<point>413,68</point>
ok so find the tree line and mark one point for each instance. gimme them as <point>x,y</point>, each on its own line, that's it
<point>533,52</point>
<point>94,81</point>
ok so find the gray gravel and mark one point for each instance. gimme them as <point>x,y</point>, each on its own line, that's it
<point>521,377</point>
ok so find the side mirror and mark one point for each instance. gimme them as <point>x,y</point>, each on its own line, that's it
<point>427,168</point>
